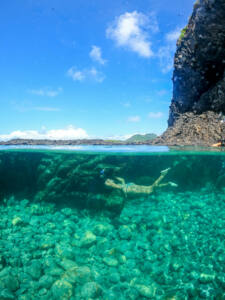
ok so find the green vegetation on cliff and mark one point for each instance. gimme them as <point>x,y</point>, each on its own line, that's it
<point>182,34</point>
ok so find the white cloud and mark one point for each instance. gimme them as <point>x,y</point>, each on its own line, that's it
<point>69,133</point>
<point>131,30</point>
<point>148,100</point>
<point>46,92</point>
<point>166,56</point>
<point>119,137</point>
<point>122,137</point>
<point>126,104</point>
<point>76,75</point>
<point>87,74</point>
<point>134,119</point>
<point>162,93</point>
<point>26,106</point>
<point>166,52</point>
<point>55,134</point>
<point>96,55</point>
<point>45,108</point>
<point>96,75</point>
<point>155,115</point>
<point>173,35</point>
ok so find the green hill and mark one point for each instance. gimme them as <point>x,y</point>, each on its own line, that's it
<point>142,137</point>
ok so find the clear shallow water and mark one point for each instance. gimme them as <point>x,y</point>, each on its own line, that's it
<point>117,150</point>
<point>71,228</point>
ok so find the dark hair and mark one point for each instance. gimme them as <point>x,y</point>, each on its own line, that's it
<point>222,143</point>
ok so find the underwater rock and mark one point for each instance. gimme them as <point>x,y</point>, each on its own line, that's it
<point>184,260</point>
<point>62,290</point>
<point>55,272</point>
<point>111,262</point>
<point>102,229</point>
<point>64,251</point>
<point>67,264</point>
<point>221,280</point>
<point>88,239</point>
<point>207,292</point>
<point>125,232</point>
<point>91,290</point>
<point>146,291</point>
<point>43,293</point>
<point>35,269</point>
<point>16,221</point>
<point>46,281</point>
<point>122,259</point>
<point>6,295</point>
<point>114,277</point>
<point>115,202</point>
<point>83,274</point>
<point>67,211</point>
<point>207,277</point>
<point>11,283</point>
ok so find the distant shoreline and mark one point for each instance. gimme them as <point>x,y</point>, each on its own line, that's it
<point>34,142</point>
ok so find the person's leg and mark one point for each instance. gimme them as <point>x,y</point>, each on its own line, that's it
<point>161,177</point>
<point>170,183</point>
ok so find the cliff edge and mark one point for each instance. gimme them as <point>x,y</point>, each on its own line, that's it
<point>198,104</point>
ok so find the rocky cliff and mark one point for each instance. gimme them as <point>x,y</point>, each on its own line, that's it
<point>199,77</point>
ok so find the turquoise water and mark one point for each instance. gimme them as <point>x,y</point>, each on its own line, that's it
<point>112,223</point>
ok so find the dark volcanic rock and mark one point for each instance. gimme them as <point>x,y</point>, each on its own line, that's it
<point>198,105</point>
<point>199,65</point>
<point>193,129</point>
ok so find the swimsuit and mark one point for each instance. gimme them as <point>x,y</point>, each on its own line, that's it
<point>126,186</point>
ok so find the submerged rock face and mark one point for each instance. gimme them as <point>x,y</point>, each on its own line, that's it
<point>199,64</point>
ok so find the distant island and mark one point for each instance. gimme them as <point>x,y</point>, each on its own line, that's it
<point>137,139</point>
<point>141,138</point>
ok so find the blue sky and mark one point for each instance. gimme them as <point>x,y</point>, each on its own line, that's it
<point>93,68</point>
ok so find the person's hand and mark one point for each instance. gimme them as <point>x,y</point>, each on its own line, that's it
<point>109,182</point>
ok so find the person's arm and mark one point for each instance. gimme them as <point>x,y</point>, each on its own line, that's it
<point>121,180</point>
<point>111,183</point>
<point>217,144</point>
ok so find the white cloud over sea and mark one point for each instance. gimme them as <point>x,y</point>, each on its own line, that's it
<point>67,133</point>
<point>121,137</point>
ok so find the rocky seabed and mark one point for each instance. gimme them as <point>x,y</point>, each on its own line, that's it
<point>168,246</point>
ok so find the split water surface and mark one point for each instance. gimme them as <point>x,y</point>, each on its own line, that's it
<point>112,223</point>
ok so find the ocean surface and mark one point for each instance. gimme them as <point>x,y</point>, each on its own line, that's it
<point>120,222</point>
